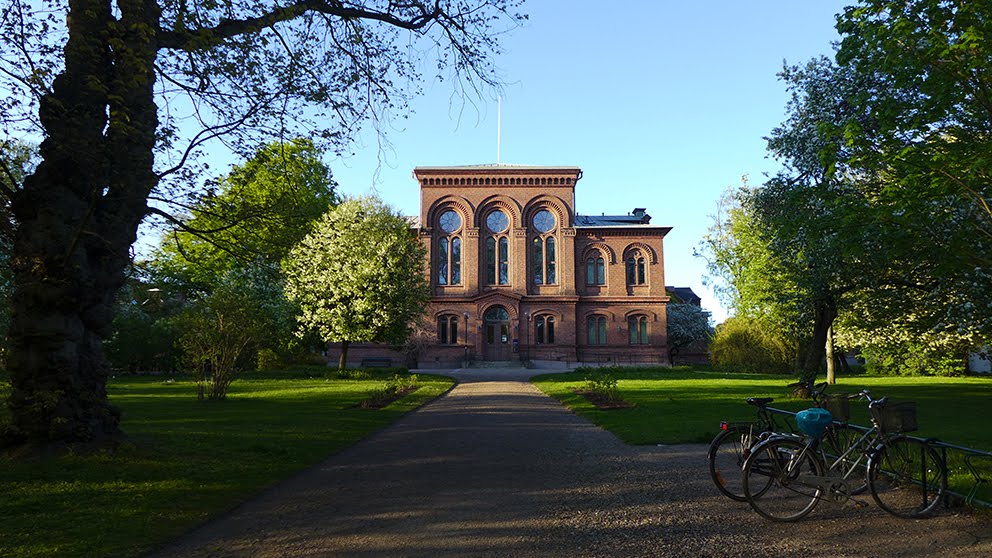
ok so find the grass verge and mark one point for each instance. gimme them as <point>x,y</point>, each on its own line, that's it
<point>684,406</point>
<point>188,460</point>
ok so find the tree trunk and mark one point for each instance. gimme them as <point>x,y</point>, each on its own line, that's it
<point>831,374</point>
<point>826,312</point>
<point>343,360</point>
<point>77,217</point>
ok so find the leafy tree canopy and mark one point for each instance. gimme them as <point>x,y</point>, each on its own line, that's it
<point>359,276</point>
<point>252,216</point>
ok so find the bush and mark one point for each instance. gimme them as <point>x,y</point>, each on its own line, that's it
<point>744,344</point>
<point>912,359</point>
<point>268,360</point>
<point>602,385</point>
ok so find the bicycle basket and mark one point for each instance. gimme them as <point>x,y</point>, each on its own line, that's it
<point>839,406</point>
<point>813,421</point>
<point>897,416</point>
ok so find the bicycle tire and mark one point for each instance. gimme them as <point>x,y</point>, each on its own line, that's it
<point>726,456</point>
<point>836,441</point>
<point>906,478</point>
<point>772,483</point>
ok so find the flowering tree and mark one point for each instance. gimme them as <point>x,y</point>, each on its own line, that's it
<point>687,324</point>
<point>359,276</point>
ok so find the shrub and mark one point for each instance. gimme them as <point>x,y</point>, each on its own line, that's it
<point>913,359</point>
<point>268,360</point>
<point>746,344</point>
<point>602,385</point>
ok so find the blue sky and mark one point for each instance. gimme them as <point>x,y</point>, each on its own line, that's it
<point>662,104</point>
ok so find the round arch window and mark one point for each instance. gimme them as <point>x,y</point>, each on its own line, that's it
<point>497,221</point>
<point>544,221</point>
<point>497,314</point>
<point>450,221</point>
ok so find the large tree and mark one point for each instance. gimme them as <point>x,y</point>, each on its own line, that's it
<point>125,94</point>
<point>928,143</point>
<point>250,217</point>
<point>360,276</point>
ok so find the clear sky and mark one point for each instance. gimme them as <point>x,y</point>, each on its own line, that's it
<point>662,104</point>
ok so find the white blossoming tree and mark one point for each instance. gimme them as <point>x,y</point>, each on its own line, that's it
<point>359,276</point>
<point>687,324</point>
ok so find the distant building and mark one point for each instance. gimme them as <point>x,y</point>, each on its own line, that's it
<point>684,295</point>
<point>517,275</point>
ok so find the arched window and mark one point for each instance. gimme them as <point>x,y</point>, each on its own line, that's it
<point>449,249</point>
<point>637,326</point>
<point>544,330</point>
<point>544,257</point>
<point>497,249</point>
<point>596,330</point>
<point>636,270</point>
<point>496,314</point>
<point>595,270</point>
<point>447,330</point>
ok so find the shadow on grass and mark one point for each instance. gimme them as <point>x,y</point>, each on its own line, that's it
<point>188,460</point>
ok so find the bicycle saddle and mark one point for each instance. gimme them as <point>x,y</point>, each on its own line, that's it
<point>759,401</point>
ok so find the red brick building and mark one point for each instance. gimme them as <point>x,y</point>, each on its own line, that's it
<point>518,275</point>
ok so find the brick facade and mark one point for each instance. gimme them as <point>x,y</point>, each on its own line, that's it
<point>517,275</point>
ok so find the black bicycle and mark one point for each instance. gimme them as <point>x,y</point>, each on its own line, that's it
<point>784,478</point>
<point>732,445</point>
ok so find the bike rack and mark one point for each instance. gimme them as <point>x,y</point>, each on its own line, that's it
<point>969,456</point>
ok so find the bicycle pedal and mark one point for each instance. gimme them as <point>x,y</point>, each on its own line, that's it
<point>859,503</point>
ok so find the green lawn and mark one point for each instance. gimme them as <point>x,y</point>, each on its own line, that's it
<point>683,406</point>
<point>189,460</point>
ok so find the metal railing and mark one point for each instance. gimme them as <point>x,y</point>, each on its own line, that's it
<point>972,468</point>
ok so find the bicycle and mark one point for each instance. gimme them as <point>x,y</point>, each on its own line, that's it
<point>784,478</point>
<point>732,445</point>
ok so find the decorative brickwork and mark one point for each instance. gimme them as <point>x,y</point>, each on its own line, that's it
<point>546,286</point>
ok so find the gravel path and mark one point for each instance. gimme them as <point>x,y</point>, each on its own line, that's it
<point>496,468</point>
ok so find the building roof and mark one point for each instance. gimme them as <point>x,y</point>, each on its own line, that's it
<point>684,295</point>
<point>497,167</point>
<point>636,217</point>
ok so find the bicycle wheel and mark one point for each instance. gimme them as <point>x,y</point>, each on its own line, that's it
<point>837,440</point>
<point>906,478</point>
<point>775,479</point>
<point>726,456</point>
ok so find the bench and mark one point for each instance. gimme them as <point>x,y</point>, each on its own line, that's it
<point>377,362</point>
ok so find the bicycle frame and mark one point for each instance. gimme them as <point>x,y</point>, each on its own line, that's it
<point>836,486</point>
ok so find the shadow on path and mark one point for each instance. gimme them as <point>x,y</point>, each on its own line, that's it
<point>496,468</point>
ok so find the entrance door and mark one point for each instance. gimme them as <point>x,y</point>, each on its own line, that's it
<point>497,332</point>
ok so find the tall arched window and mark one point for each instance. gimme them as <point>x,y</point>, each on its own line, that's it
<point>544,255</point>
<point>497,249</point>
<point>637,326</point>
<point>447,330</point>
<point>544,330</point>
<point>636,270</point>
<point>449,249</point>
<point>595,270</point>
<point>596,330</point>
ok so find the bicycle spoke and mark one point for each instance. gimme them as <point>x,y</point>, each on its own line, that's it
<point>906,478</point>
<point>773,481</point>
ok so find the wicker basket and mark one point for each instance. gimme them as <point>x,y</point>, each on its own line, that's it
<point>839,406</point>
<point>897,416</point>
